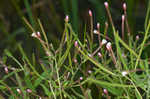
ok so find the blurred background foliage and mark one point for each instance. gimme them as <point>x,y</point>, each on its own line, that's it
<point>14,31</point>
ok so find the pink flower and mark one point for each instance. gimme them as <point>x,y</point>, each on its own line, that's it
<point>105,91</point>
<point>123,17</point>
<point>99,54</point>
<point>90,12</point>
<point>29,90</point>
<point>76,43</point>
<point>98,25</point>
<point>67,18</point>
<point>137,37</point>
<point>106,4</point>
<point>6,70</point>
<point>124,6</point>
<point>18,90</point>
<point>81,78</point>
<point>89,71</point>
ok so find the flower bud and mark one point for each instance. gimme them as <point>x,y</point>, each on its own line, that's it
<point>104,41</point>
<point>29,90</point>
<point>99,54</point>
<point>137,37</point>
<point>106,4</point>
<point>18,90</point>
<point>89,71</point>
<point>98,25</point>
<point>108,46</point>
<point>124,6</point>
<point>90,13</point>
<point>81,78</point>
<point>76,43</point>
<point>95,32</point>
<point>67,19</point>
<point>75,60</point>
<point>105,91</point>
<point>123,17</point>
<point>38,34</point>
<point>6,70</point>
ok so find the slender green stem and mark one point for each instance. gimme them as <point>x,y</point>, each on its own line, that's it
<point>142,45</point>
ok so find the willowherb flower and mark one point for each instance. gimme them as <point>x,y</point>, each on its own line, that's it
<point>76,43</point>
<point>123,17</point>
<point>75,60</point>
<point>98,25</point>
<point>95,32</point>
<point>18,90</point>
<point>38,34</point>
<point>124,73</point>
<point>89,71</point>
<point>99,54</point>
<point>124,6</point>
<point>105,91</point>
<point>90,13</point>
<point>104,41</point>
<point>67,19</point>
<point>6,70</point>
<point>40,98</point>
<point>81,78</point>
<point>137,37</point>
<point>29,90</point>
<point>108,46</point>
<point>106,4</point>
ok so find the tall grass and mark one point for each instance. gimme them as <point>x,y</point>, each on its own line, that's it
<point>78,67</point>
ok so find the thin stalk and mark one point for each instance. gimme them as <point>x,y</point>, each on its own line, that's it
<point>91,27</point>
<point>98,29</point>
<point>96,63</point>
<point>113,57</point>
<point>134,87</point>
<point>97,50</point>
<point>106,29</point>
<point>58,80</point>
<point>147,15</point>
<point>91,19</point>
<point>29,25</point>
<point>9,89</point>
<point>52,90</point>
<point>126,19</point>
<point>127,25</point>
<point>83,90</point>
<point>44,34</point>
<point>142,45</point>
<point>122,25</point>
<point>109,14</point>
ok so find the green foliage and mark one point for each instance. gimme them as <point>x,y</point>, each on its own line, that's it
<point>80,65</point>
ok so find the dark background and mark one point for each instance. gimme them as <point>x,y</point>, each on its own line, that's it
<point>13,30</point>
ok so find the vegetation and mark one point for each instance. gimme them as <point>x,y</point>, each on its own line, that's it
<point>97,62</point>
